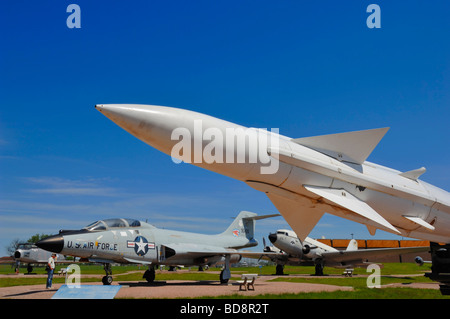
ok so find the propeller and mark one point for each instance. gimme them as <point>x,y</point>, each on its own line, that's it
<point>267,249</point>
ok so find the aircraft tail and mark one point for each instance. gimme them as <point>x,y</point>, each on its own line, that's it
<point>352,245</point>
<point>243,229</point>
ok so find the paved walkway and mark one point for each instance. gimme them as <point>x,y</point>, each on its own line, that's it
<point>188,289</point>
<point>176,289</point>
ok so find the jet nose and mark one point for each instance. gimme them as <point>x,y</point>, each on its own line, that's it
<point>273,238</point>
<point>53,243</point>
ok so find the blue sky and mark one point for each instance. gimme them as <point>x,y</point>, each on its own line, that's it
<point>305,68</point>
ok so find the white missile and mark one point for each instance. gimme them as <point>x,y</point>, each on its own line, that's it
<point>304,177</point>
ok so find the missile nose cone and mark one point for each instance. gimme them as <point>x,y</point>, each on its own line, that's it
<point>53,243</point>
<point>117,112</point>
<point>152,124</point>
<point>273,238</point>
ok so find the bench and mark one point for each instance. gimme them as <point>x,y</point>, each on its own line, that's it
<point>62,271</point>
<point>247,282</point>
<point>348,272</point>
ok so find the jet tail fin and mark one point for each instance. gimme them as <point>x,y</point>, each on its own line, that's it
<point>352,245</point>
<point>352,147</point>
<point>243,225</point>
<point>236,228</point>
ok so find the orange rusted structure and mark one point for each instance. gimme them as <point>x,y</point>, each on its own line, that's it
<point>342,244</point>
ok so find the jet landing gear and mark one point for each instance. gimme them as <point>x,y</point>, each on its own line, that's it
<point>318,267</point>
<point>149,274</point>
<point>279,270</point>
<point>225,274</point>
<point>107,280</point>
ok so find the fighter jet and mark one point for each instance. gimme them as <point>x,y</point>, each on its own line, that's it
<point>291,251</point>
<point>124,240</point>
<point>30,254</point>
<point>303,177</point>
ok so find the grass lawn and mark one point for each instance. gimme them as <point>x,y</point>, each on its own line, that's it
<point>384,293</point>
<point>403,273</point>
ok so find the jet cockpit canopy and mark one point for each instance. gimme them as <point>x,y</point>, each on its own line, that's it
<point>106,224</point>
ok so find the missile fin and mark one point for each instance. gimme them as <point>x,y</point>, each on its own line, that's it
<point>294,208</point>
<point>350,202</point>
<point>372,230</point>
<point>420,221</point>
<point>352,147</point>
<point>414,174</point>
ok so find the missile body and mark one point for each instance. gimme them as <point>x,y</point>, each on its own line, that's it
<point>168,129</point>
<point>305,177</point>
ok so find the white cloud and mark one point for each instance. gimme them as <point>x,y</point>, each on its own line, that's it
<point>60,186</point>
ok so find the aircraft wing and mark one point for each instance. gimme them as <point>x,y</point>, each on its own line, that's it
<point>43,262</point>
<point>246,254</point>
<point>208,251</point>
<point>261,255</point>
<point>197,250</point>
<point>362,254</point>
<point>137,261</point>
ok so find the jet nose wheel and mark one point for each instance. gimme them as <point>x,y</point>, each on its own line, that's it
<point>107,280</point>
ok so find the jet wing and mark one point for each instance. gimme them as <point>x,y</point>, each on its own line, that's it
<point>261,255</point>
<point>31,261</point>
<point>213,251</point>
<point>200,250</point>
<point>246,254</point>
<point>137,261</point>
<point>362,254</point>
<point>196,250</point>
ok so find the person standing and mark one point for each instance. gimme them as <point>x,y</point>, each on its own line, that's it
<point>50,269</point>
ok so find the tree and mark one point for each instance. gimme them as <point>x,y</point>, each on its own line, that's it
<point>35,238</point>
<point>11,248</point>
